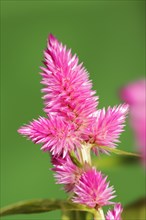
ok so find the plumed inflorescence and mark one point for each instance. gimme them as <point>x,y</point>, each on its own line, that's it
<point>74,124</point>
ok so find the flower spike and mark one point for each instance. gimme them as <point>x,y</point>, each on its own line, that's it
<point>67,86</point>
<point>73,126</point>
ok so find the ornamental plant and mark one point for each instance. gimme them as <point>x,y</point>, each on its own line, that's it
<point>74,129</point>
<point>74,126</point>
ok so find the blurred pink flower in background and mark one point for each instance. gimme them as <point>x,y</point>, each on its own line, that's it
<point>135,95</point>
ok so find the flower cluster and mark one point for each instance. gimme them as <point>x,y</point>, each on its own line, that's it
<point>74,124</point>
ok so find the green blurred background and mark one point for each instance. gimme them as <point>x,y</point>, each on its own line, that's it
<point>109,37</point>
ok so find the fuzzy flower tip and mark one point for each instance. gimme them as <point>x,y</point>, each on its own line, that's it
<point>93,190</point>
<point>67,86</point>
<point>57,136</point>
<point>115,214</point>
<point>66,172</point>
<point>107,126</point>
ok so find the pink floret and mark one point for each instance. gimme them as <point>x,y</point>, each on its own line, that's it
<point>115,214</point>
<point>66,172</point>
<point>56,135</point>
<point>106,126</point>
<point>93,190</point>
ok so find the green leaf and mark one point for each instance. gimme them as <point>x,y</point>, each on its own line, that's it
<point>43,205</point>
<point>119,152</point>
<point>135,211</point>
<point>113,161</point>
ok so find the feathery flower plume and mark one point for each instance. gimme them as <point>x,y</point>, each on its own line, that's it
<point>74,124</point>
<point>67,86</point>
<point>66,172</point>
<point>106,126</point>
<point>70,105</point>
<point>68,96</point>
<point>56,135</point>
<point>93,190</point>
<point>115,214</point>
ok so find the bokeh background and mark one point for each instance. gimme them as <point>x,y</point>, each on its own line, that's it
<point>109,37</point>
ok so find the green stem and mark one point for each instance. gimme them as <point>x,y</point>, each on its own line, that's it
<point>99,215</point>
<point>43,205</point>
<point>85,153</point>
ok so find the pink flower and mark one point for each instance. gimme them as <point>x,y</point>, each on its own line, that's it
<point>70,105</point>
<point>92,190</point>
<point>67,86</point>
<point>57,135</point>
<point>69,102</point>
<point>66,172</point>
<point>106,126</point>
<point>74,124</point>
<point>135,95</point>
<point>115,214</point>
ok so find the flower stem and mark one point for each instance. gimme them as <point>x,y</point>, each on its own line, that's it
<point>99,215</point>
<point>85,153</point>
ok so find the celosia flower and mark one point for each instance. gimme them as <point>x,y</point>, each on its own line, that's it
<point>93,190</point>
<point>70,105</point>
<point>74,124</point>
<point>67,87</point>
<point>68,96</point>
<point>106,126</point>
<point>66,172</point>
<point>135,95</point>
<point>115,214</point>
<point>57,135</point>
